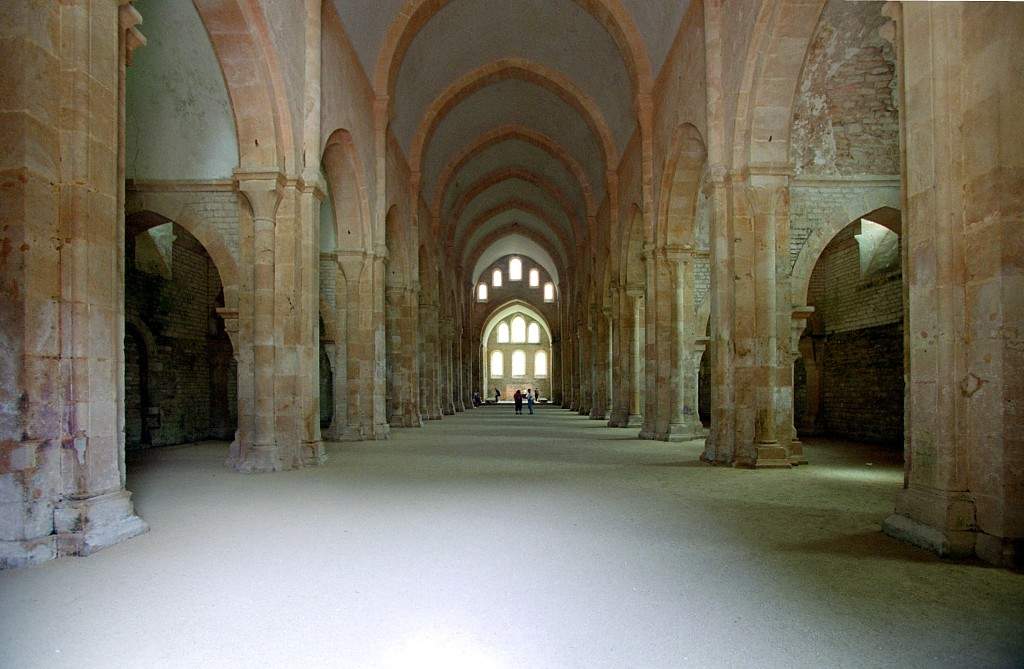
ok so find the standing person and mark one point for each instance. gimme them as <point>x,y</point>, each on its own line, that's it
<point>529,400</point>
<point>518,398</point>
<point>497,395</point>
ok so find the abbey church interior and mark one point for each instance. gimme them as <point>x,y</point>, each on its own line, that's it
<point>511,333</point>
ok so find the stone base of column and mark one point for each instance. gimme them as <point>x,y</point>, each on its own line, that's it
<point>685,431</point>
<point>28,552</point>
<point>313,453</point>
<point>796,453</point>
<point>258,458</point>
<point>598,414</point>
<point>941,522</point>
<point>460,407</point>
<point>766,456</point>
<point>583,411</point>
<point>378,432</point>
<point>84,526</point>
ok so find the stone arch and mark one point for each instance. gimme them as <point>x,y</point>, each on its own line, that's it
<point>521,133</point>
<point>241,40</point>
<point>540,240</point>
<point>417,13</point>
<point>681,183</point>
<point>523,174</point>
<point>515,204</point>
<point>513,68</point>
<point>633,249</point>
<point>349,197</point>
<point>815,244</point>
<point>150,209</point>
<point>395,238</point>
<point>775,56</point>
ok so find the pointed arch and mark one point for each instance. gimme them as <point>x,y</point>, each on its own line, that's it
<point>417,13</point>
<point>524,70</point>
<point>504,133</point>
<point>680,186</point>
<point>346,183</point>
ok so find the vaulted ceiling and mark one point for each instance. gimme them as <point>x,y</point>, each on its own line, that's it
<point>512,111</point>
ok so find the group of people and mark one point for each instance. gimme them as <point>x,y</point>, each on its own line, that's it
<point>518,399</point>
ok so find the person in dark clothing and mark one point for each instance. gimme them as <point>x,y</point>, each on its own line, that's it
<point>518,397</point>
<point>497,395</point>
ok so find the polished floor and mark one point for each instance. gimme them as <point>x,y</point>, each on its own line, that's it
<point>494,540</point>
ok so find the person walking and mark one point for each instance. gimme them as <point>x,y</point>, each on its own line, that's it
<point>529,400</point>
<point>518,398</point>
<point>497,395</point>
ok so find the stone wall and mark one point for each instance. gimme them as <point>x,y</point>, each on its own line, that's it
<point>176,348</point>
<point>845,118</point>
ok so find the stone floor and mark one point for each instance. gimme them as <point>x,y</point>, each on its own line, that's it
<point>494,540</point>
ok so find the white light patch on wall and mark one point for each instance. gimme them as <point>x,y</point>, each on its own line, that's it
<point>879,248</point>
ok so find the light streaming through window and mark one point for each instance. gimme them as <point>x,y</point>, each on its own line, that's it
<point>496,278</point>
<point>518,363</point>
<point>533,334</point>
<point>549,292</point>
<point>497,364</point>
<point>518,330</point>
<point>481,292</point>
<point>534,278</point>
<point>515,269</point>
<point>540,364</point>
<point>503,333</point>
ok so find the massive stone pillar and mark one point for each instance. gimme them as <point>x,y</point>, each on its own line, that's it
<point>403,387</point>
<point>458,386</point>
<point>647,386</point>
<point>362,345</point>
<point>585,339</point>
<point>556,370</point>
<point>684,422</point>
<point>599,363</point>
<point>961,75</point>
<point>430,363</point>
<point>752,386</point>
<point>447,331</point>
<point>62,313</point>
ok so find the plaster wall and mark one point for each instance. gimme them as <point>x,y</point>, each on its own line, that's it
<point>179,124</point>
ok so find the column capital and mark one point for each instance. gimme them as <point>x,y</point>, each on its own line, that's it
<point>351,263</point>
<point>128,20</point>
<point>262,189</point>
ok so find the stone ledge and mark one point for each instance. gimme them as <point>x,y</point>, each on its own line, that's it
<point>952,544</point>
<point>15,554</point>
<point>86,526</point>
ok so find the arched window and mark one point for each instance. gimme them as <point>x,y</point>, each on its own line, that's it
<point>549,292</point>
<point>540,363</point>
<point>518,363</point>
<point>518,330</point>
<point>503,333</point>
<point>498,364</point>
<point>533,334</point>
<point>534,278</point>
<point>496,278</point>
<point>515,269</point>
<point>481,292</point>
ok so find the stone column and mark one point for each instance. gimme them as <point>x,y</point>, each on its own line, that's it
<point>556,371</point>
<point>599,363</point>
<point>413,344</point>
<point>648,385</point>
<point>637,349</point>
<point>447,330</point>
<point>431,383</point>
<point>961,74</point>
<point>684,423</point>
<point>378,423</point>
<point>353,348</point>
<point>798,324</point>
<point>257,449</point>
<point>621,350</point>
<point>458,389</point>
<point>585,336</point>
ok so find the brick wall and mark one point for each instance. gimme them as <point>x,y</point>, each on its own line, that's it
<point>845,118</point>
<point>858,321</point>
<point>185,358</point>
<point>862,384</point>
